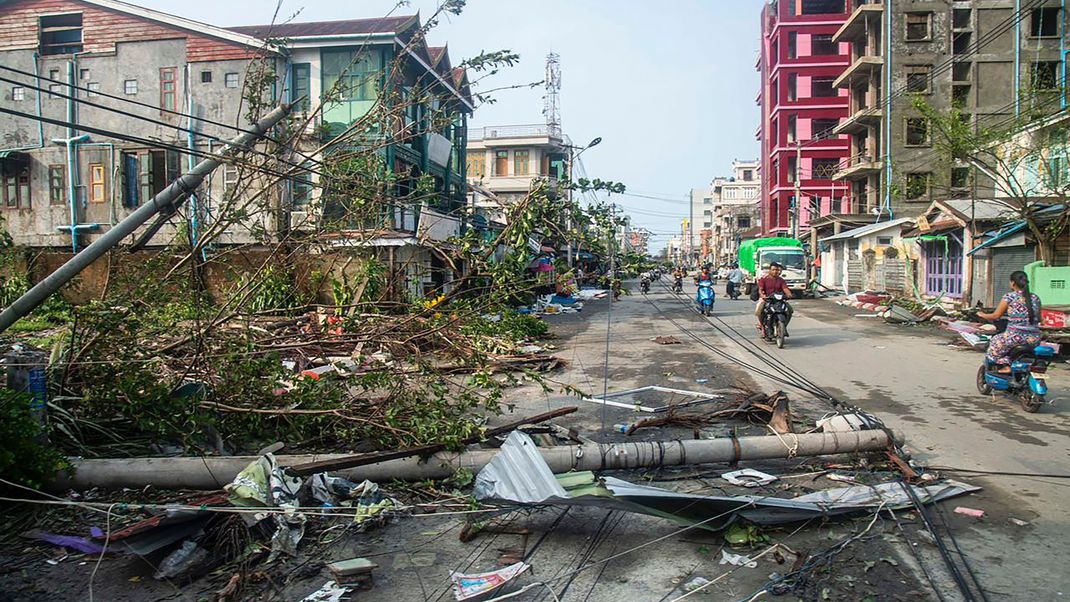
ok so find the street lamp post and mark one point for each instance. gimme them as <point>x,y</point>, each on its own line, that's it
<point>571,166</point>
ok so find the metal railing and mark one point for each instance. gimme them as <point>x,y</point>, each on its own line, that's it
<point>495,132</point>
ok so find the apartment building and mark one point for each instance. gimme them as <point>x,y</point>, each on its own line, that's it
<point>507,160</point>
<point>135,95</point>
<point>992,61</point>
<point>735,209</point>
<point>800,108</point>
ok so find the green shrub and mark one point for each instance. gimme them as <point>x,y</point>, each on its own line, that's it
<point>24,456</point>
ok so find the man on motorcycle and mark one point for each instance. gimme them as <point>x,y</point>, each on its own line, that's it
<point>767,285</point>
<point>735,278</point>
<point>644,283</point>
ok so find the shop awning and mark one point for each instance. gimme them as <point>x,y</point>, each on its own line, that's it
<point>1000,236</point>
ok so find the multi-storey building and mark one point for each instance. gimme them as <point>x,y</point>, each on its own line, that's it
<point>800,107</point>
<point>507,161</point>
<point>135,95</point>
<point>989,60</point>
<point>735,209</point>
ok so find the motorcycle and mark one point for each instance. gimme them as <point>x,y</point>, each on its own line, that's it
<point>704,297</point>
<point>644,285</point>
<point>775,319</point>
<point>732,290</point>
<point>678,285</point>
<point>1029,366</point>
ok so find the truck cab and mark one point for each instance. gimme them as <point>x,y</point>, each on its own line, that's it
<point>794,261</point>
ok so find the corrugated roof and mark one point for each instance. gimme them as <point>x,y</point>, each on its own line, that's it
<point>982,209</point>
<point>314,29</point>
<point>867,229</point>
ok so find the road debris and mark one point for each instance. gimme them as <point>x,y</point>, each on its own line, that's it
<point>468,587</point>
<point>748,477</point>
<point>969,511</point>
<point>355,572</point>
<point>669,340</point>
<point>737,560</point>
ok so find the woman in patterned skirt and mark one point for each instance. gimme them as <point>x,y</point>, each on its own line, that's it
<point>1022,309</point>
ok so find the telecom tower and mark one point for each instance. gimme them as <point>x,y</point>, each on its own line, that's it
<point>551,103</point>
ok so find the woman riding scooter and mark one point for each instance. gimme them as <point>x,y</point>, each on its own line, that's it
<point>1022,309</point>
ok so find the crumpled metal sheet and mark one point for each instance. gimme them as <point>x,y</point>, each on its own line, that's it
<point>519,475</point>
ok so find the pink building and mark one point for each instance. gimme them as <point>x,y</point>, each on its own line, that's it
<point>800,106</point>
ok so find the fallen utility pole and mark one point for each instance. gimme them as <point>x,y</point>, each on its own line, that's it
<point>303,470</point>
<point>214,472</point>
<point>168,199</point>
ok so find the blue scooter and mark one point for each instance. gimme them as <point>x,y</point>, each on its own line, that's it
<point>1029,366</point>
<point>704,297</point>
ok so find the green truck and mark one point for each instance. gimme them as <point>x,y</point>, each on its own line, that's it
<point>756,255</point>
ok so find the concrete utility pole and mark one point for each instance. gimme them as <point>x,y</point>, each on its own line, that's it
<point>798,191</point>
<point>172,196</point>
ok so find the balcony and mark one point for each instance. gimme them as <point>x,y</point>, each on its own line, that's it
<point>507,132</point>
<point>859,121</point>
<point>863,67</point>
<point>855,25</point>
<point>859,168</point>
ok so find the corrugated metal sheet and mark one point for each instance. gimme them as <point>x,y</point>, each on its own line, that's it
<point>327,28</point>
<point>519,474</point>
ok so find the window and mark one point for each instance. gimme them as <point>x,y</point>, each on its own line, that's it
<point>53,74</point>
<point>821,87</point>
<point>128,173</point>
<point>917,27</point>
<point>230,181</point>
<point>822,128</point>
<point>884,241</point>
<point>15,176</point>
<point>917,131</point>
<point>960,72</point>
<point>206,77</point>
<point>301,189</point>
<point>960,96</point>
<point>917,185</point>
<point>83,74</point>
<point>743,222</point>
<point>707,200</point>
<point>130,86</point>
<point>97,184</point>
<point>792,169</point>
<point>1044,22</point>
<point>301,85</point>
<point>960,18</point>
<point>520,163</point>
<point>960,178</point>
<point>748,175</point>
<point>230,80</point>
<point>793,44</point>
<point>822,45</point>
<point>147,173</point>
<point>823,169</point>
<point>92,89</point>
<point>61,34</point>
<point>18,94</point>
<point>918,79</point>
<point>1056,177</point>
<point>57,184</point>
<point>707,224</point>
<point>708,213</point>
<point>352,76</point>
<point>167,89</point>
<point>961,44</point>
<point>1045,75</point>
<point>792,88</point>
<point>477,165</point>
<point>501,163</point>
<point>820,7</point>
<point>54,90</point>
<point>792,119</point>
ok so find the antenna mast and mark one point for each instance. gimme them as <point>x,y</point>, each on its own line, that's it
<point>551,102</point>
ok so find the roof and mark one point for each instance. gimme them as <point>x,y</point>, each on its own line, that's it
<point>316,29</point>
<point>869,229</point>
<point>231,35</point>
<point>977,209</point>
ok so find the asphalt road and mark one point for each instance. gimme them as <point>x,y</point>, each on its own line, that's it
<point>910,378</point>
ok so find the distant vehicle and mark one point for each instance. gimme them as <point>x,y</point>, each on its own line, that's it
<point>756,255</point>
<point>704,297</point>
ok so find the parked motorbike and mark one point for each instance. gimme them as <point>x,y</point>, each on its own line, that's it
<point>704,297</point>
<point>678,285</point>
<point>1029,366</point>
<point>644,285</point>
<point>775,318</point>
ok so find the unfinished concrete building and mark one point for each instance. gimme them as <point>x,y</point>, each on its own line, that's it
<point>992,61</point>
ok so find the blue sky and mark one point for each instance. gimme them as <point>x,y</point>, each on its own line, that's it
<point>669,86</point>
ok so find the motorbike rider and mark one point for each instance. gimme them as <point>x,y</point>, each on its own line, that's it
<point>645,281</point>
<point>768,284</point>
<point>735,278</point>
<point>703,275</point>
<point>1022,309</point>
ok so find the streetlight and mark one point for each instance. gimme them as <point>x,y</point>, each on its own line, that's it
<point>571,164</point>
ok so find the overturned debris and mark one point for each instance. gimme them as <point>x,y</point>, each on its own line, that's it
<point>520,475</point>
<point>213,472</point>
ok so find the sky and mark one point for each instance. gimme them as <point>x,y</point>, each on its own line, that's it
<point>668,86</point>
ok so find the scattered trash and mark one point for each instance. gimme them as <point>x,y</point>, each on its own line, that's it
<point>969,511</point>
<point>844,423</point>
<point>622,427</point>
<point>182,561</point>
<point>355,572</point>
<point>265,483</point>
<point>701,381</point>
<point>1020,522</point>
<point>330,592</point>
<point>696,584</point>
<point>748,477</point>
<point>70,542</point>
<point>832,476</point>
<point>744,535</point>
<point>670,340</point>
<point>467,587</point>
<point>737,560</point>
